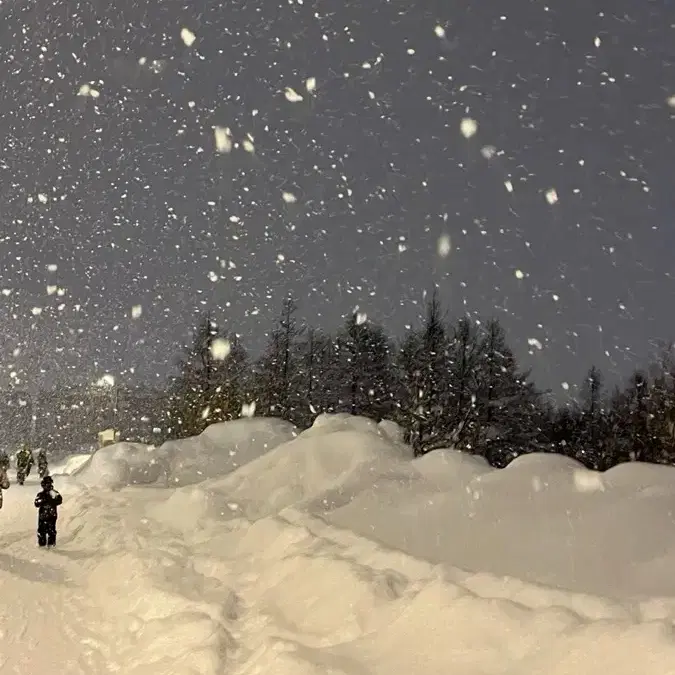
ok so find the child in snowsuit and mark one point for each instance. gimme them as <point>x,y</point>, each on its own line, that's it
<point>47,503</point>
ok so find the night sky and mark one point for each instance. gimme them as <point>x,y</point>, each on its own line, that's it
<point>109,170</point>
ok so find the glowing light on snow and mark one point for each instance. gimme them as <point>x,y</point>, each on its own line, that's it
<point>468,127</point>
<point>136,312</point>
<point>292,95</point>
<point>519,274</point>
<point>533,342</point>
<point>107,380</point>
<point>551,196</point>
<point>248,409</point>
<point>439,31</point>
<point>289,197</point>
<point>310,84</point>
<point>444,245</point>
<point>588,481</point>
<point>361,318</point>
<point>223,139</point>
<point>220,349</point>
<point>187,36</point>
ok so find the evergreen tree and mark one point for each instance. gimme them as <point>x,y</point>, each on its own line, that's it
<point>662,408</point>
<point>628,420</point>
<point>566,429</point>
<point>210,385</point>
<point>318,388</point>
<point>592,421</point>
<point>277,372</point>
<point>423,367</point>
<point>464,355</point>
<point>364,369</point>
<point>508,414</point>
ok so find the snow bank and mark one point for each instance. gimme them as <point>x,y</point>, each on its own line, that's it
<point>544,519</point>
<point>219,450</point>
<point>392,431</point>
<point>224,447</point>
<point>121,464</point>
<point>335,553</point>
<point>71,465</point>
<point>336,458</point>
<point>447,507</point>
<point>294,595</point>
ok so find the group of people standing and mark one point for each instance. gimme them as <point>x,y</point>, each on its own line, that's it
<point>48,499</point>
<point>25,461</point>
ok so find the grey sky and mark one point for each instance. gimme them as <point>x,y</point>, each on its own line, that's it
<point>375,158</point>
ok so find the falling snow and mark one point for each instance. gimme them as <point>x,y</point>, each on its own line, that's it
<point>220,349</point>
<point>158,164</point>
<point>551,196</point>
<point>187,36</point>
<point>468,127</point>
<point>444,246</point>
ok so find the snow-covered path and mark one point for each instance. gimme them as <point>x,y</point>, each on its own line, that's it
<point>108,598</point>
<point>47,619</point>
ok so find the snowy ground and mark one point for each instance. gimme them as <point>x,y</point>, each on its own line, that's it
<point>334,553</point>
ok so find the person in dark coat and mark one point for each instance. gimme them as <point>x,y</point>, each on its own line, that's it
<point>24,463</point>
<point>4,482</point>
<point>42,463</point>
<point>47,503</point>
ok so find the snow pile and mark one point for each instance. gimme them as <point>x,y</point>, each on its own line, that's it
<point>219,450</point>
<point>452,508</point>
<point>71,465</point>
<point>392,431</point>
<point>121,464</point>
<point>336,553</point>
<point>329,462</point>
<point>565,521</point>
<point>224,447</point>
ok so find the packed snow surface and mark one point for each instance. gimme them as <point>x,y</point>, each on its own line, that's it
<point>333,552</point>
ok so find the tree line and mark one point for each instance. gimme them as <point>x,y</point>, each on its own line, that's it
<point>448,384</point>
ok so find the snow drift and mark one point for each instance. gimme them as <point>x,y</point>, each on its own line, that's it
<point>224,447</point>
<point>336,552</point>
<point>219,450</point>
<point>121,464</point>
